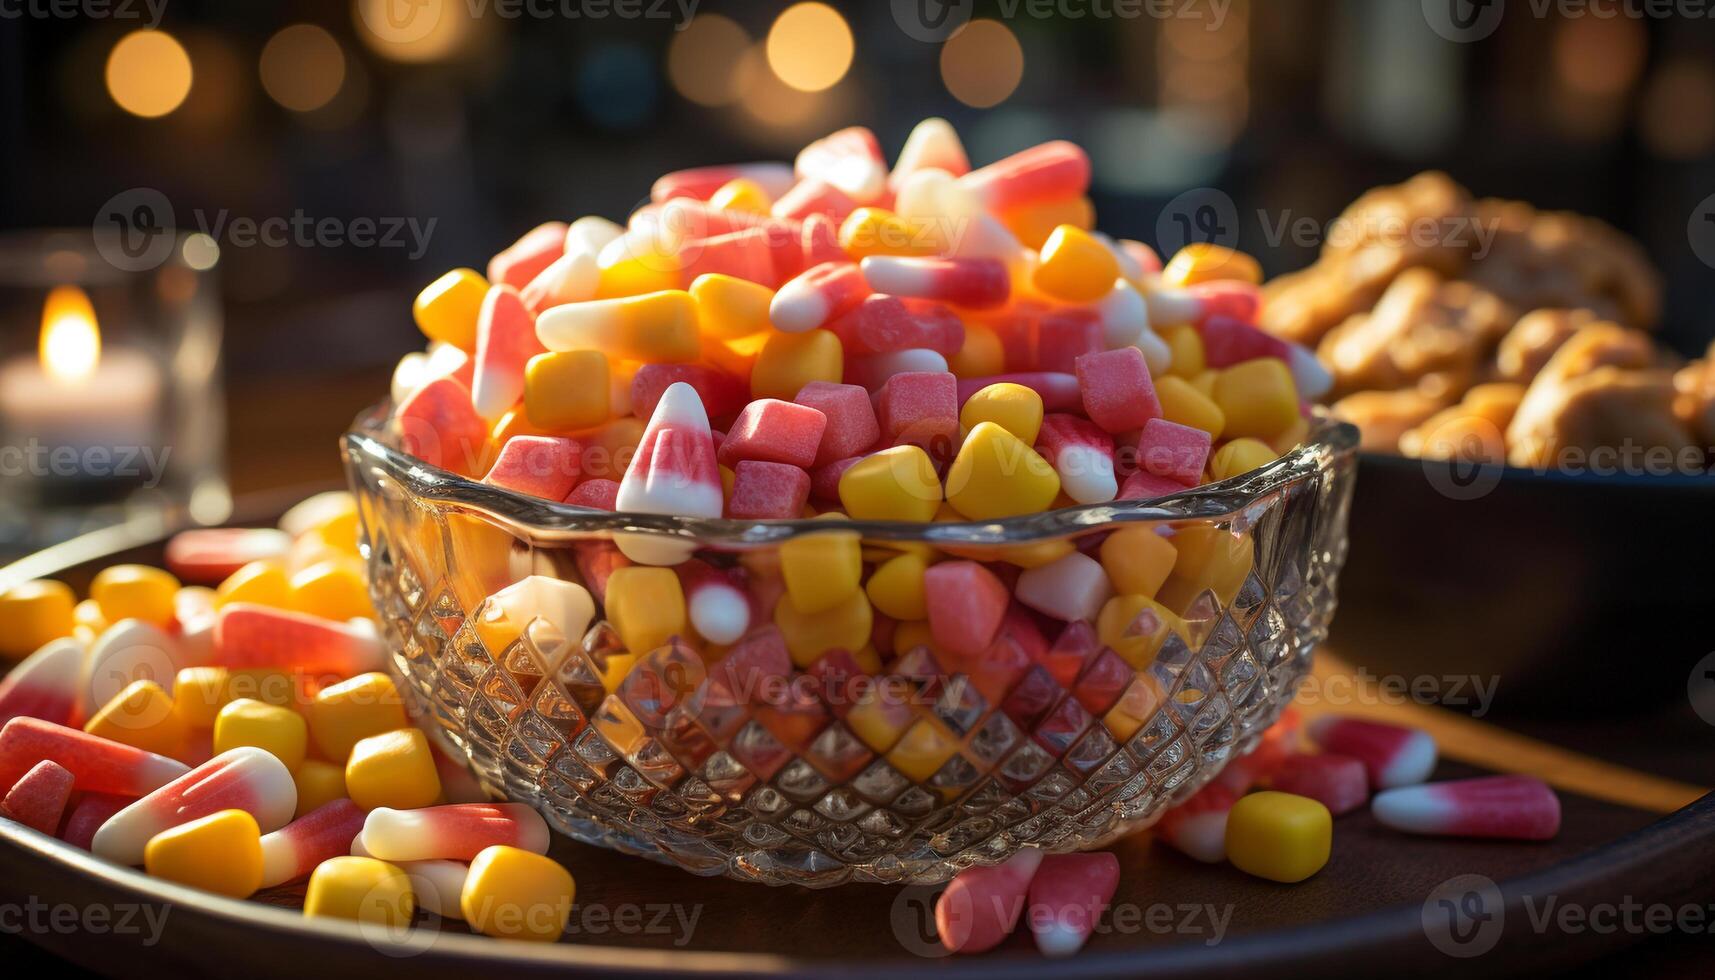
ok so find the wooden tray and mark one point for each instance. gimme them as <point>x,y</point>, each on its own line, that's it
<point>1630,834</point>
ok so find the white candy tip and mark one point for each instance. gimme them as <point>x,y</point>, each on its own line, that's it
<point>1156,354</point>
<point>1412,764</point>
<point>680,405</point>
<point>1204,838</point>
<point>1088,475</point>
<point>1057,939</point>
<point>1308,373</point>
<point>721,615</point>
<point>1414,809</point>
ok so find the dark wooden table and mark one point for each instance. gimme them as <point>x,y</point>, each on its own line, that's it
<point>1616,775</point>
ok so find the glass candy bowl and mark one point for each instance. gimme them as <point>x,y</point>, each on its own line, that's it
<point>727,761</point>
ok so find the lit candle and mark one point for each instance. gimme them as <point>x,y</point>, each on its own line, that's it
<point>75,397</point>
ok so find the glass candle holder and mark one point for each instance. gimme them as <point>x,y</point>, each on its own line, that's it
<point>111,408</point>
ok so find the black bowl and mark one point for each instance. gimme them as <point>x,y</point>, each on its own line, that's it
<point>1564,593</point>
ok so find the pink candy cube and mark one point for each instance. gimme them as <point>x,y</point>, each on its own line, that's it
<point>882,324</point>
<point>439,425</point>
<point>1171,450</point>
<point>39,798</point>
<point>767,491</point>
<point>1233,298</point>
<point>1063,336</point>
<point>851,427</point>
<point>774,431</point>
<point>1119,394</point>
<point>1227,341</point>
<point>599,494</point>
<point>825,479</point>
<point>1144,485</point>
<point>920,408</point>
<point>966,605</point>
<point>723,394</point>
<point>542,466</point>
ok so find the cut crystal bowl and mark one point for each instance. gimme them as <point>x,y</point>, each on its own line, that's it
<point>934,764</point>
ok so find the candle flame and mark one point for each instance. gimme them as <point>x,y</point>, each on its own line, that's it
<point>71,342</point>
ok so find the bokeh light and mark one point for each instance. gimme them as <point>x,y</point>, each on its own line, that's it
<point>302,67</point>
<point>1599,56</point>
<point>703,59</point>
<point>414,31</point>
<point>982,63</point>
<point>148,73</point>
<point>1677,120</point>
<point>810,46</point>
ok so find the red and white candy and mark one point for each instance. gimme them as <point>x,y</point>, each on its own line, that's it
<point>245,778</point>
<point>673,472</point>
<point>982,905</point>
<point>455,831</point>
<point>97,764</point>
<point>45,684</point>
<point>295,849</point>
<point>248,635</point>
<point>1392,755</point>
<point>1198,827</point>
<point>816,296</point>
<point>1509,807</point>
<point>1067,897</point>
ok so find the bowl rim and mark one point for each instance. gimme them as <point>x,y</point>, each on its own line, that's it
<point>1329,440</point>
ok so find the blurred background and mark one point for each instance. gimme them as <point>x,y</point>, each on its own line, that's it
<point>404,137</point>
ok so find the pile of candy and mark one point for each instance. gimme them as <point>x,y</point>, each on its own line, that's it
<point>276,752</point>
<point>926,342</point>
<point>243,737</point>
<point>1283,832</point>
